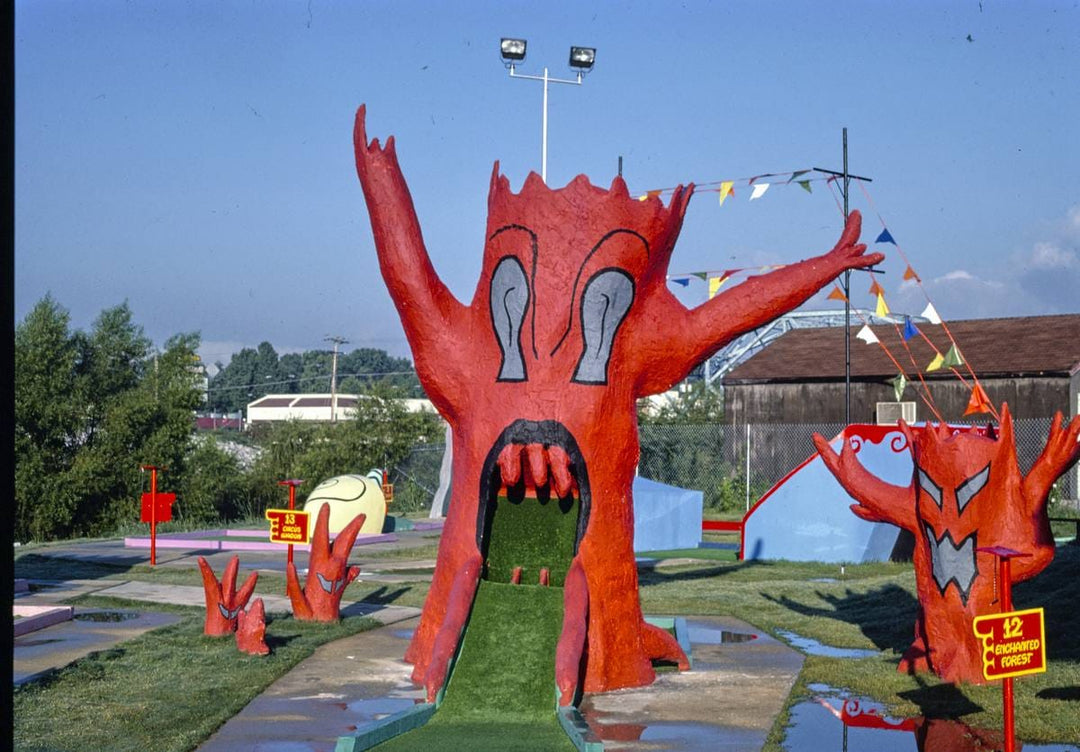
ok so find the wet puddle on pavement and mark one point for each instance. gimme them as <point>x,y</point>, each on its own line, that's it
<point>833,719</point>
<point>813,647</point>
<point>703,635</point>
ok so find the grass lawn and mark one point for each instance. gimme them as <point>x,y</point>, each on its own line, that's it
<point>166,690</point>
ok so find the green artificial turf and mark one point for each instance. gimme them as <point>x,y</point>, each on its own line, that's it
<point>501,694</point>
<point>532,533</point>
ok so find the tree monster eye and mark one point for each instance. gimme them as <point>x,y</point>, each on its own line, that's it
<point>604,304</point>
<point>932,489</point>
<point>509,298</point>
<point>966,490</point>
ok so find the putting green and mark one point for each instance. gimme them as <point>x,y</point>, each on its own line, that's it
<point>501,694</point>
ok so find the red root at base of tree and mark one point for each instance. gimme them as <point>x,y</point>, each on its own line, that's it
<point>223,601</point>
<point>251,630</point>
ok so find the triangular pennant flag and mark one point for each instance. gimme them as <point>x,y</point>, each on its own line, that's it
<point>806,186</point>
<point>866,334</point>
<point>700,275</point>
<point>909,329</point>
<point>979,402</point>
<point>836,294</point>
<point>684,281</point>
<point>909,273</point>
<point>930,314</point>
<point>650,194</point>
<point>885,237</point>
<point>882,309</point>
<point>797,174</point>
<point>952,358</point>
<point>759,191</point>
<point>899,384</point>
<point>727,188</point>
<point>714,285</point>
<point>875,288</point>
<point>936,363</point>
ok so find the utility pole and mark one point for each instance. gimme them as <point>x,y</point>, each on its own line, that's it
<point>338,341</point>
<point>847,178</point>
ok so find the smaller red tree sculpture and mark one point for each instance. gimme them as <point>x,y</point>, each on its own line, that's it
<point>223,600</point>
<point>967,492</point>
<point>328,571</point>
<point>251,630</point>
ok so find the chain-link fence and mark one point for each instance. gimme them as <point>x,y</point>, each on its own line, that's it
<point>733,465</point>
<point>416,478</point>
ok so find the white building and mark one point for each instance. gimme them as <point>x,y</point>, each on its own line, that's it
<point>317,407</point>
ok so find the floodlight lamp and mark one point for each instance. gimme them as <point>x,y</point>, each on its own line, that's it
<point>513,50</point>
<point>582,58</point>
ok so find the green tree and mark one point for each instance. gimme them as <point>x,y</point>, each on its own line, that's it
<point>48,419</point>
<point>90,408</point>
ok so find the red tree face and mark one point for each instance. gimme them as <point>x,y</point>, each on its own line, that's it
<point>564,271</point>
<point>968,495</point>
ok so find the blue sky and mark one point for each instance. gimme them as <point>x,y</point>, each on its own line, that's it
<point>195,158</point>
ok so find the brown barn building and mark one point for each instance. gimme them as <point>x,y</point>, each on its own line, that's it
<point>1033,363</point>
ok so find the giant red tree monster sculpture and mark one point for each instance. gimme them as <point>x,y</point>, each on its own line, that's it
<point>538,377</point>
<point>967,492</point>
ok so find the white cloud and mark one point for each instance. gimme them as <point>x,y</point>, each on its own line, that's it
<point>964,276</point>
<point>1051,255</point>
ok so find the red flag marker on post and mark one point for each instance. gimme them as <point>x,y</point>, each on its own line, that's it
<point>292,484</point>
<point>156,507</point>
<point>1014,642</point>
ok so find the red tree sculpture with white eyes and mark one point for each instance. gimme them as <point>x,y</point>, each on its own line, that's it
<point>538,377</point>
<point>967,492</point>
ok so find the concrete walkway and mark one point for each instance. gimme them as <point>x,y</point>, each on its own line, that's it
<point>729,700</point>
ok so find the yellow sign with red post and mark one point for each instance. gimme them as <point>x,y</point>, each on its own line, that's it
<point>288,526</point>
<point>1014,643</point>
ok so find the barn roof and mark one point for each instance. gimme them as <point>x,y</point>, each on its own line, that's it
<point>1003,347</point>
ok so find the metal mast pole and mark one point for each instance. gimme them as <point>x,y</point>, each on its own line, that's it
<point>847,303</point>
<point>337,340</point>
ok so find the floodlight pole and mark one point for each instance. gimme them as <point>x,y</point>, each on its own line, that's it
<point>544,114</point>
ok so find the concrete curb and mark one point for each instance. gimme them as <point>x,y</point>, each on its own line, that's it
<point>39,617</point>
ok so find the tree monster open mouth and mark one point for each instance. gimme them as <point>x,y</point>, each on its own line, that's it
<point>534,504</point>
<point>951,562</point>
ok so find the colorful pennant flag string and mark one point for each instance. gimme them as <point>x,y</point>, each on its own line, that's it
<point>909,329</point>
<point>899,384</point>
<point>836,294</point>
<point>930,314</point>
<point>979,402</point>
<point>885,237</point>
<point>866,334</point>
<point>952,358</point>
<point>882,309</point>
<point>726,189</point>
